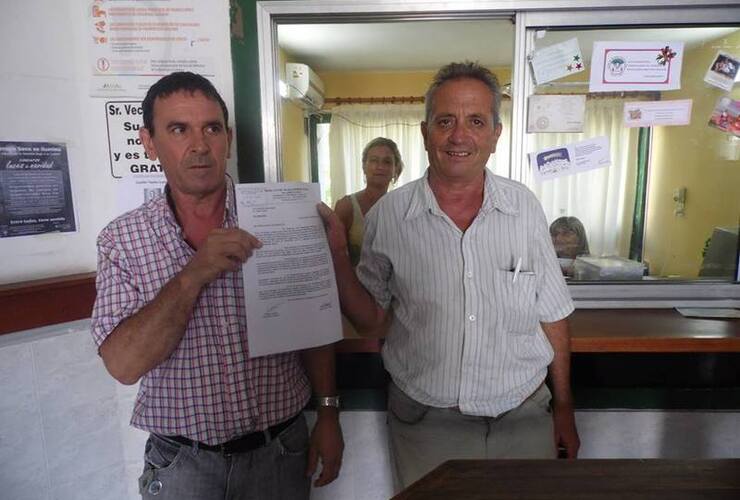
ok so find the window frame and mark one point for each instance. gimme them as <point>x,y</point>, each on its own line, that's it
<point>528,16</point>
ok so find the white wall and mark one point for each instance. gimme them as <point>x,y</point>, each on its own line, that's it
<point>64,430</point>
<point>44,82</point>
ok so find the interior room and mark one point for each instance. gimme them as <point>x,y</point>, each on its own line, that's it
<point>308,84</point>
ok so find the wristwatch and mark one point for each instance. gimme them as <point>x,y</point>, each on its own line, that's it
<point>327,401</point>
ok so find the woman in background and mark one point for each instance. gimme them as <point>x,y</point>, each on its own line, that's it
<point>569,239</point>
<point>382,164</point>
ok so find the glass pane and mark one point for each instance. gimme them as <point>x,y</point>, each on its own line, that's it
<point>374,76</point>
<point>668,205</point>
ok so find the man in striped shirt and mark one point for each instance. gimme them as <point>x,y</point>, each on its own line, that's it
<point>465,262</point>
<point>170,312</point>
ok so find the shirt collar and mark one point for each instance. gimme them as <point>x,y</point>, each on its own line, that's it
<point>494,198</point>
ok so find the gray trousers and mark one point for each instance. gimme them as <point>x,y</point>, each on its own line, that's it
<point>277,471</point>
<point>422,437</point>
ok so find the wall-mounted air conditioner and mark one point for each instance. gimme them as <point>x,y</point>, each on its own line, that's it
<point>305,88</point>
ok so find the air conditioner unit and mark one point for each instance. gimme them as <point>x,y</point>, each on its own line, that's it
<point>305,88</point>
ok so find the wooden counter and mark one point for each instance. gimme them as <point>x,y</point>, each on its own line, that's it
<point>629,330</point>
<point>46,302</point>
<point>579,479</point>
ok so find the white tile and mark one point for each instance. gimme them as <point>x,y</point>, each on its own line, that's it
<point>100,484</point>
<point>83,438</point>
<point>16,377</point>
<point>70,373</point>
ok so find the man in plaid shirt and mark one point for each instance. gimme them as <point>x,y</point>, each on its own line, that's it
<point>170,312</point>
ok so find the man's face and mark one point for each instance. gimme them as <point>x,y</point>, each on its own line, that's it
<point>191,141</point>
<point>460,134</point>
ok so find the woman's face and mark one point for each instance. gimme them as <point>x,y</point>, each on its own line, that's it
<point>566,244</point>
<point>380,166</point>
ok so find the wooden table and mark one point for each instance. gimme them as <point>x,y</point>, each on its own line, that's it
<point>579,479</point>
<point>629,330</point>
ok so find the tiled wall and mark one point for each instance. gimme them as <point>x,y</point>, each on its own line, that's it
<point>64,432</point>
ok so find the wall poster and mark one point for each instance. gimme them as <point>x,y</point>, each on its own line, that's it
<point>35,190</point>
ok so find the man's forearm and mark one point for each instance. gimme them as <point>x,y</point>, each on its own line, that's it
<point>146,339</point>
<point>357,304</point>
<point>559,336</point>
<point>320,368</point>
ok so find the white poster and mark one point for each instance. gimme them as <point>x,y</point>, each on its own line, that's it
<point>556,113</point>
<point>657,113</point>
<point>557,61</point>
<point>126,153</point>
<point>134,43</point>
<point>289,284</point>
<point>571,158</point>
<point>617,66</point>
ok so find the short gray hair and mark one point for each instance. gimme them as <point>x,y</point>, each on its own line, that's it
<point>460,70</point>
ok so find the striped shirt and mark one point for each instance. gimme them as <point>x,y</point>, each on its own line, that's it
<point>465,333</point>
<point>208,390</point>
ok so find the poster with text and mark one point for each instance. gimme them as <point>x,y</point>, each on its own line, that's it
<point>134,43</point>
<point>126,154</point>
<point>35,190</point>
<point>618,66</point>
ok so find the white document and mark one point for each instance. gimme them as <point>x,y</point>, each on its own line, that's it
<point>617,66</point>
<point>723,71</point>
<point>571,158</point>
<point>652,113</point>
<point>556,61</point>
<point>556,113</point>
<point>289,285</point>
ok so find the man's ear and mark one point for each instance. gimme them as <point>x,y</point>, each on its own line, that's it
<point>148,143</point>
<point>424,133</point>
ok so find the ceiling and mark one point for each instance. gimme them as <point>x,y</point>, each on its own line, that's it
<point>427,45</point>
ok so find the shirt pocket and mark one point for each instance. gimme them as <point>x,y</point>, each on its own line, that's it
<point>516,301</point>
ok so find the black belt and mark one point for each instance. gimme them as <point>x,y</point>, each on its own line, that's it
<point>244,443</point>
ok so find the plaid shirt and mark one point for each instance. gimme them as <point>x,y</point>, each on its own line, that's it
<point>208,390</point>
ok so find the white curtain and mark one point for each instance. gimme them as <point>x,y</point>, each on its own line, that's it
<point>354,125</point>
<point>602,199</point>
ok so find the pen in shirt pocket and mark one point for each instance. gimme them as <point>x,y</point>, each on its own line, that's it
<point>518,270</point>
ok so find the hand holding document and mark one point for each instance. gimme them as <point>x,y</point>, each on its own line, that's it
<point>289,284</point>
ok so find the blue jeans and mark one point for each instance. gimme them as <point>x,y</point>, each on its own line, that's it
<point>276,471</point>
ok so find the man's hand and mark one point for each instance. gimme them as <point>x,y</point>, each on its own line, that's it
<point>327,445</point>
<point>224,250</point>
<point>335,230</point>
<point>566,434</point>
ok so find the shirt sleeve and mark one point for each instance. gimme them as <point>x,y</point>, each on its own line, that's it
<point>553,297</point>
<point>374,270</point>
<point>117,296</point>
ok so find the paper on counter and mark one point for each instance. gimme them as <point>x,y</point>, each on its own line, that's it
<point>289,285</point>
<point>722,71</point>
<point>556,113</point>
<point>653,113</point>
<point>556,61</point>
<point>617,66</point>
<point>709,312</point>
<point>571,158</point>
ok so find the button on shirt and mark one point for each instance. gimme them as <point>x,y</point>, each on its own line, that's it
<point>465,332</point>
<point>208,390</point>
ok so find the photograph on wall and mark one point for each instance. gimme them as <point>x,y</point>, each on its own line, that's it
<point>726,116</point>
<point>723,71</point>
<point>35,190</point>
<point>617,66</point>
